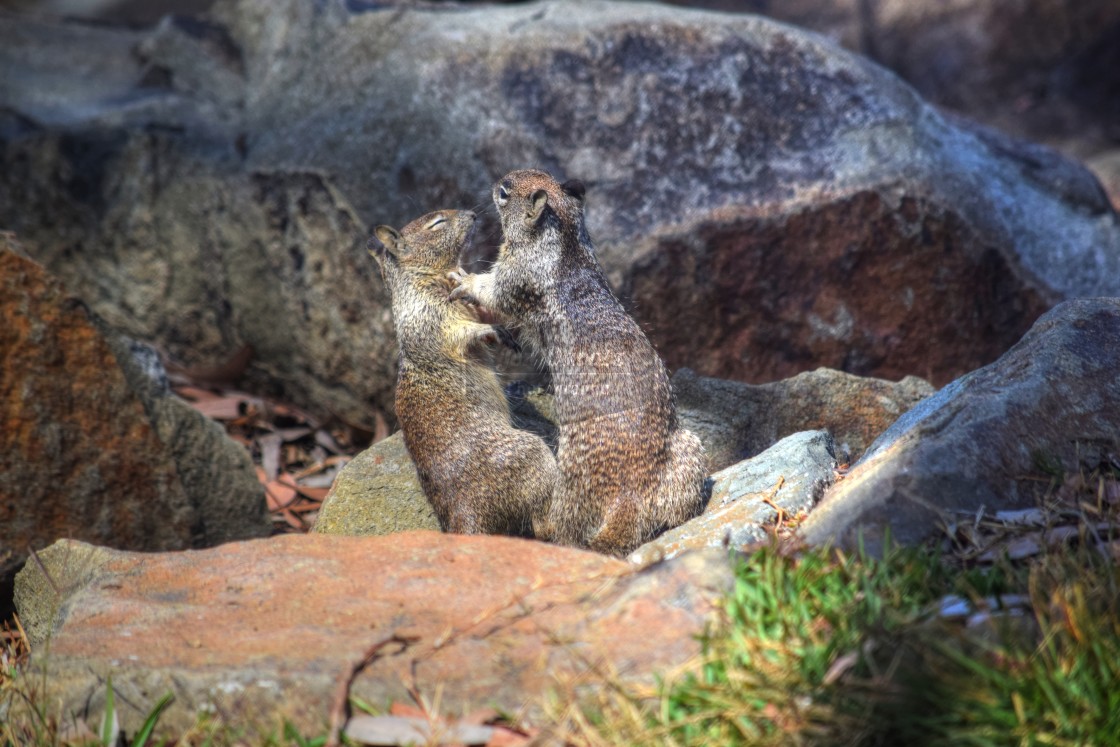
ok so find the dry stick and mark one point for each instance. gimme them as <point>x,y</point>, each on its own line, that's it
<point>43,568</point>
<point>342,689</point>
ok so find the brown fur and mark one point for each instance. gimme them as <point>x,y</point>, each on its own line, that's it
<point>481,475</point>
<point>628,471</point>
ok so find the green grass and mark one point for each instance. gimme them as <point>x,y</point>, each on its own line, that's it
<point>824,648</point>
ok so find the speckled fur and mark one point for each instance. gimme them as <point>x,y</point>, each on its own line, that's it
<point>481,475</point>
<point>628,471</point>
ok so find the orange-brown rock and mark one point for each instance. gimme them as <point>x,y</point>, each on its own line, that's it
<point>78,455</point>
<point>259,631</point>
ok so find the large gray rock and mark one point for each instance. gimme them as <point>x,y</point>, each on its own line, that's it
<point>1045,70</point>
<point>766,202</point>
<point>736,420</point>
<point>990,440</point>
<point>216,472</point>
<point>746,497</point>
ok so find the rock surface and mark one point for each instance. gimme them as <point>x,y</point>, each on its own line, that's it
<point>791,475</point>
<point>736,420</point>
<point>78,454</point>
<point>377,492</point>
<point>241,629</point>
<point>94,446</point>
<point>765,202</point>
<point>1044,70</point>
<point>1051,404</point>
<point>216,472</point>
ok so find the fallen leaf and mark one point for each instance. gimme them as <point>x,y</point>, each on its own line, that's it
<point>505,737</point>
<point>397,708</point>
<point>292,434</point>
<point>220,408</point>
<point>195,393</point>
<point>392,731</point>
<point>1031,516</point>
<point>279,495</point>
<point>270,454</point>
<point>840,666</point>
<point>314,494</point>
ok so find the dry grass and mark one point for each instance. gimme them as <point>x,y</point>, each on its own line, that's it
<point>1006,633</point>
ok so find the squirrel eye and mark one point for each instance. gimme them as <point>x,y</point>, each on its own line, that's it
<point>503,194</point>
<point>437,222</point>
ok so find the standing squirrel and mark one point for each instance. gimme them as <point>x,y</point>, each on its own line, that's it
<point>628,471</point>
<point>481,475</point>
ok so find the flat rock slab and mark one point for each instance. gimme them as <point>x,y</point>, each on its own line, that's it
<point>790,476</point>
<point>260,631</point>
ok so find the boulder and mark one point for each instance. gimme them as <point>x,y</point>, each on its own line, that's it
<point>1038,69</point>
<point>216,472</point>
<point>94,448</point>
<point>236,631</point>
<point>789,477</point>
<point>78,454</point>
<point>737,420</point>
<point>992,440</point>
<point>764,202</point>
<point>1044,70</point>
<point>377,492</point>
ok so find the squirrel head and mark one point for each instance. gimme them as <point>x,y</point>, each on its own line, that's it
<point>529,199</point>
<point>428,245</point>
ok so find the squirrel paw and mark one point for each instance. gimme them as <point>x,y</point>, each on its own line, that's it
<point>461,290</point>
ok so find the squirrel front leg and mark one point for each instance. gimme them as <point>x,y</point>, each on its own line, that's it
<point>467,334</point>
<point>471,287</point>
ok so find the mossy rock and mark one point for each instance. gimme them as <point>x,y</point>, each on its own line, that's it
<point>378,492</point>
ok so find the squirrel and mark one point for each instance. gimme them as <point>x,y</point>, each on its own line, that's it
<point>628,470</point>
<point>481,475</point>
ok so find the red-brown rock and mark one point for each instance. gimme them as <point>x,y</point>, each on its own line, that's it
<point>78,455</point>
<point>260,631</point>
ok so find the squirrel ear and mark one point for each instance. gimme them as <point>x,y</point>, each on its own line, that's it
<point>574,188</point>
<point>385,241</point>
<point>538,201</point>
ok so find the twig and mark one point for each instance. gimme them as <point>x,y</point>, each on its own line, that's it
<point>341,701</point>
<point>43,568</point>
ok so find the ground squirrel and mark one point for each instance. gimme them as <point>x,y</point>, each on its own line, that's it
<point>481,475</point>
<point>628,471</point>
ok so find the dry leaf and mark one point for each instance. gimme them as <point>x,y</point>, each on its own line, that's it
<point>270,454</point>
<point>220,408</point>
<point>280,495</point>
<point>406,730</point>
